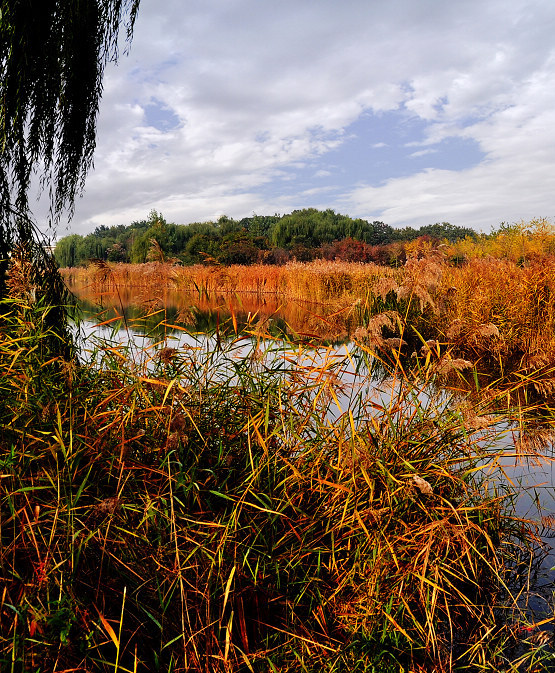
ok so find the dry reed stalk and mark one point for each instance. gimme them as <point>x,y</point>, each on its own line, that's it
<point>19,276</point>
<point>499,310</point>
<point>372,333</point>
<point>534,441</point>
<point>421,279</point>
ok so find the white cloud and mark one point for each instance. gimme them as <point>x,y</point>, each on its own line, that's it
<point>253,88</point>
<point>423,153</point>
<point>513,182</point>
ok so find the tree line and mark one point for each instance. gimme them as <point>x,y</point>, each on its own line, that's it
<point>268,239</point>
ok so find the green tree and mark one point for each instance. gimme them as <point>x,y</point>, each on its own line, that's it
<point>52,59</point>
<point>311,228</point>
<point>445,230</point>
<point>116,253</point>
<point>91,247</point>
<point>201,246</point>
<point>238,248</point>
<point>158,230</point>
<point>67,250</point>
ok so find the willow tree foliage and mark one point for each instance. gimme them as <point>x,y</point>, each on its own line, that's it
<point>52,59</point>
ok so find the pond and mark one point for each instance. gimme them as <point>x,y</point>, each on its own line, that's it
<point>203,313</point>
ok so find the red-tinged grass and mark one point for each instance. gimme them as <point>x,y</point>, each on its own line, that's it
<point>318,281</point>
<point>228,508</point>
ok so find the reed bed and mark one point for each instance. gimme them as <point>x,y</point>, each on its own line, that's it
<point>316,281</point>
<point>239,505</point>
<point>493,312</point>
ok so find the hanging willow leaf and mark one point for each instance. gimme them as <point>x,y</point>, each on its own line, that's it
<point>52,59</point>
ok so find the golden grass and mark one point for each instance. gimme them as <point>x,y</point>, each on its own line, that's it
<point>221,510</point>
<point>317,281</point>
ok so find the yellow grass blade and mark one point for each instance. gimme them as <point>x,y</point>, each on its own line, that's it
<point>109,630</point>
<point>227,590</point>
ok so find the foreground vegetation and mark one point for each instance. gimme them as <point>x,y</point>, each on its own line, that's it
<point>224,506</point>
<point>215,509</point>
<point>235,503</point>
<point>209,509</point>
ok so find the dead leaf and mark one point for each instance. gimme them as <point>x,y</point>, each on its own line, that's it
<point>422,485</point>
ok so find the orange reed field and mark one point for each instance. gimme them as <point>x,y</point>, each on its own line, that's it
<point>486,306</point>
<point>319,281</point>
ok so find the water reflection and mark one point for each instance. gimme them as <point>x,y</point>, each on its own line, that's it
<point>201,313</point>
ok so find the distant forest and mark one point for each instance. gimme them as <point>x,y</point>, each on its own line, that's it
<point>302,235</point>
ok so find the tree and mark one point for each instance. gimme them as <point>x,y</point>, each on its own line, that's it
<point>445,230</point>
<point>117,253</point>
<point>66,252</point>
<point>157,230</point>
<point>312,228</point>
<point>238,248</point>
<point>52,59</point>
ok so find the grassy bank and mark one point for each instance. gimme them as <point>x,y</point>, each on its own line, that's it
<point>224,508</point>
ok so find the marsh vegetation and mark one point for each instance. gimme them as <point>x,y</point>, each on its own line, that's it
<point>247,503</point>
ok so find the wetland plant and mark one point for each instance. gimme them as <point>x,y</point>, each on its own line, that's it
<point>232,505</point>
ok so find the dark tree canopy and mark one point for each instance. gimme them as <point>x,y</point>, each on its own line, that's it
<point>52,59</point>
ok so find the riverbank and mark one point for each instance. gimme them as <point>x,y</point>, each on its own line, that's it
<point>192,509</point>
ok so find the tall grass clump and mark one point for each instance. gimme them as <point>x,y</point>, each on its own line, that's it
<point>234,505</point>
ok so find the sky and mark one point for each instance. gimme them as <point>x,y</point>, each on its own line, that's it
<point>409,112</point>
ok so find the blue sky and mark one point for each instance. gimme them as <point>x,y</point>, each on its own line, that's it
<point>407,111</point>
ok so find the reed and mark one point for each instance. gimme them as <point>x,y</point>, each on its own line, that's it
<point>237,505</point>
<point>491,314</point>
<point>317,281</point>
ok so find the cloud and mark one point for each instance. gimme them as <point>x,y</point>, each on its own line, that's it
<point>423,153</point>
<point>513,182</point>
<point>218,101</point>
